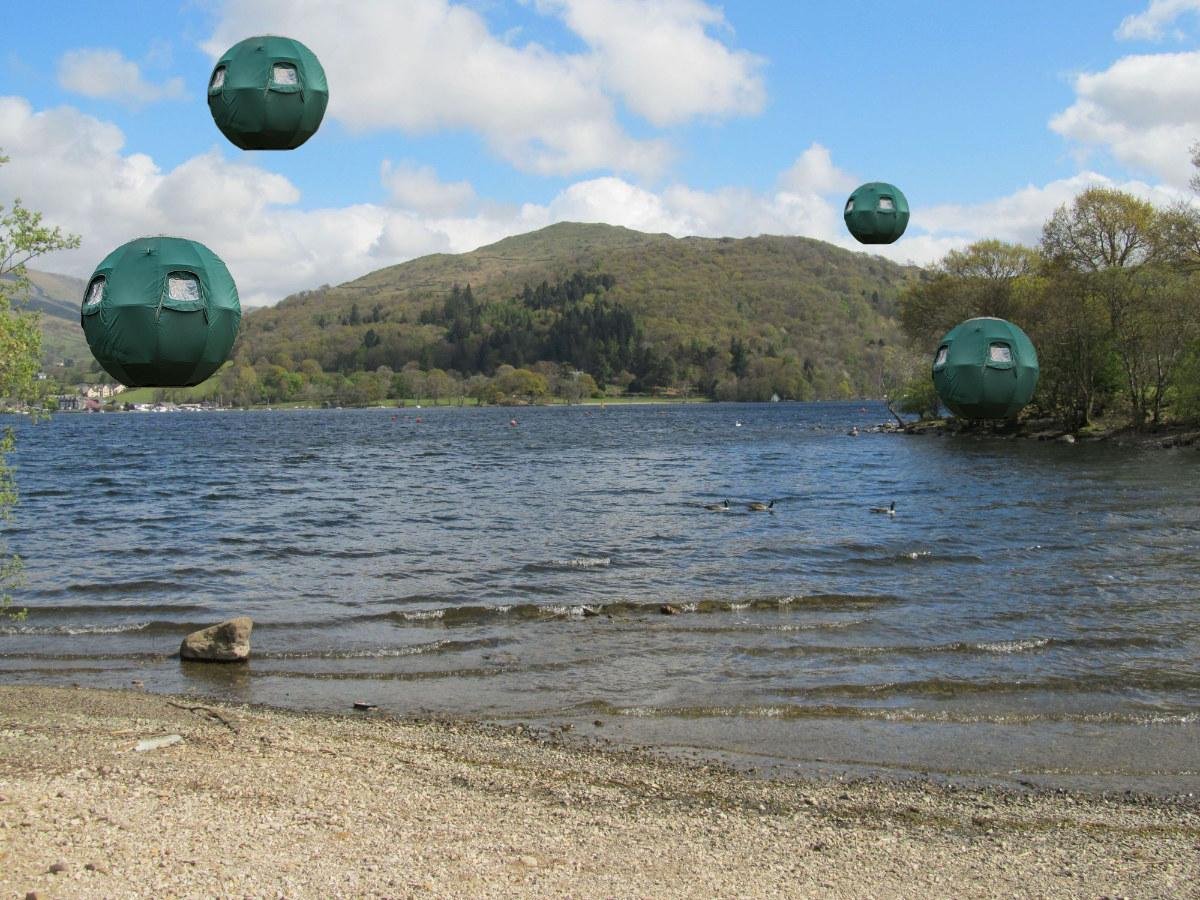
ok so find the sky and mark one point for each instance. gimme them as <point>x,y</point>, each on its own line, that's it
<point>454,123</point>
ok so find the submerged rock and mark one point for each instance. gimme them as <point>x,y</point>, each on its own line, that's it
<point>226,642</point>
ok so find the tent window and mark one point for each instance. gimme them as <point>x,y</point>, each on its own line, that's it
<point>94,294</point>
<point>218,79</point>
<point>850,205</point>
<point>284,73</point>
<point>999,353</point>
<point>886,204</point>
<point>940,359</point>
<point>183,286</point>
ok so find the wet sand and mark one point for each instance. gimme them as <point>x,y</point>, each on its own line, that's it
<point>263,803</point>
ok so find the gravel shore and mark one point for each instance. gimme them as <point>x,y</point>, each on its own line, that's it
<point>267,803</point>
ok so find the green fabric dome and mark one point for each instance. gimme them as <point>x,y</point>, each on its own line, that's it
<point>985,369</point>
<point>268,93</point>
<point>876,213</point>
<point>161,312</point>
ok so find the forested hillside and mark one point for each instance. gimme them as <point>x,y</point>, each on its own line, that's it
<point>57,298</point>
<point>731,318</point>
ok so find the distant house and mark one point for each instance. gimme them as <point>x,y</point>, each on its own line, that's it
<point>100,391</point>
<point>68,403</point>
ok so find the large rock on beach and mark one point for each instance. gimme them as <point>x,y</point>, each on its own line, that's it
<point>227,642</point>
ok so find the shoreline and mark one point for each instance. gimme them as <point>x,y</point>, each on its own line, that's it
<point>1168,436</point>
<point>261,801</point>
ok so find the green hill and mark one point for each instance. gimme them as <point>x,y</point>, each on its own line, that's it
<point>57,298</point>
<point>821,313</point>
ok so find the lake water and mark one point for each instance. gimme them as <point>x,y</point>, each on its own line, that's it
<point>1031,613</point>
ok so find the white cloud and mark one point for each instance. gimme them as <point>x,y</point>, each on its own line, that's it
<point>107,75</point>
<point>429,65</point>
<point>662,60</point>
<point>1144,110</point>
<point>1152,24</point>
<point>419,188</point>
<point>814,172</point>
<point>75,169</point>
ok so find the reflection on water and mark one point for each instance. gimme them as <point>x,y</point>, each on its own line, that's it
<point>1041,592</point>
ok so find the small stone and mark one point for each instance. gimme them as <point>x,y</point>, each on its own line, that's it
<point>31,895</point>
<point>529,862</point>
<point>668,610</point>
<point>227,641</point>
<point>58,867</point>
<point>598,723</point>
<point>95,867</point>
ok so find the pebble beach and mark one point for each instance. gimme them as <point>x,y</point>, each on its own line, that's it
<point>98,798</point>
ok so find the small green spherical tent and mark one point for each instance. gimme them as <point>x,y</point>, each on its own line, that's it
<point>268,93</point>
<point>876,213</point>
<point>161,312</point>
<point>985,369</point>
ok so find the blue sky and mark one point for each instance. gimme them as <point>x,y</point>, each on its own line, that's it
<point>452,124</point>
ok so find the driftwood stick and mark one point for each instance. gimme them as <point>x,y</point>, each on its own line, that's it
<point>208,711</point>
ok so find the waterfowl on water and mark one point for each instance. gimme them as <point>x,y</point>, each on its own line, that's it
<point>889,510</point>
<point>760,507</point>
<point>718,507</point>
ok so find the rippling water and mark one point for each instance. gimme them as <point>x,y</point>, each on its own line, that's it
<point>1031,610</point>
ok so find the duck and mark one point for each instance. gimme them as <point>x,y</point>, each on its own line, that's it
<point>718,507</point>
<point>889,510</point>
<point>756,506</point>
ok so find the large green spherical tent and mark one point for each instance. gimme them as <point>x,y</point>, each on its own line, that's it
<point>876,213</point>
<point>985,368</point>
<point>161,312</point>
<point>268,93</point>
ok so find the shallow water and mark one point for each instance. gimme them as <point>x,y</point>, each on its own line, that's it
<point>1030,612</point>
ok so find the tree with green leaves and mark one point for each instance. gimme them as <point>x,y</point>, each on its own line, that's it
<point>1123,254</point>
<point>23,237</point>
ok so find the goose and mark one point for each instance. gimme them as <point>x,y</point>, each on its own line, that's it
<point>760,507</point>
<point>889,510</point>
<point>718,507</point>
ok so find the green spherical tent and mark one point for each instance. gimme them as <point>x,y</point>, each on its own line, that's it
<point>268,93</point>
<point>985,369</point>
<point>876,213</point>
<point>161,312</point>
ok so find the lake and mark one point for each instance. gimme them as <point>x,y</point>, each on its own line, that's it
<point>1031,612</point>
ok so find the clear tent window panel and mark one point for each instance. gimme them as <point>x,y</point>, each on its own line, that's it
<point>886,204</point>
<point>1000,353</point>
<point>940,359</point>
<point>183,286</point>
<point>218,80</point>
<point>850,205</point>
<point>95,292</point>
<point>284,73</point>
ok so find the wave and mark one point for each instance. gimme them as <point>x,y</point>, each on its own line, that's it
<point>431,648</point>
<point>580,562</point>
<point>137,586</point>
<point>480,614</point>
<point>120,628</point>
<point>788,712</point>
<point>951,688</point>
<point>1025,645</point>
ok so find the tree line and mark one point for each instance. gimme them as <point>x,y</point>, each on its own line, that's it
<point>1110,298</point>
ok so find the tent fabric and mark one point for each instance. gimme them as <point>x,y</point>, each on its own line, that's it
<point>268,93</point>
<point>876,213</point>
<point>161,312</point>
<point>985,368</point>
